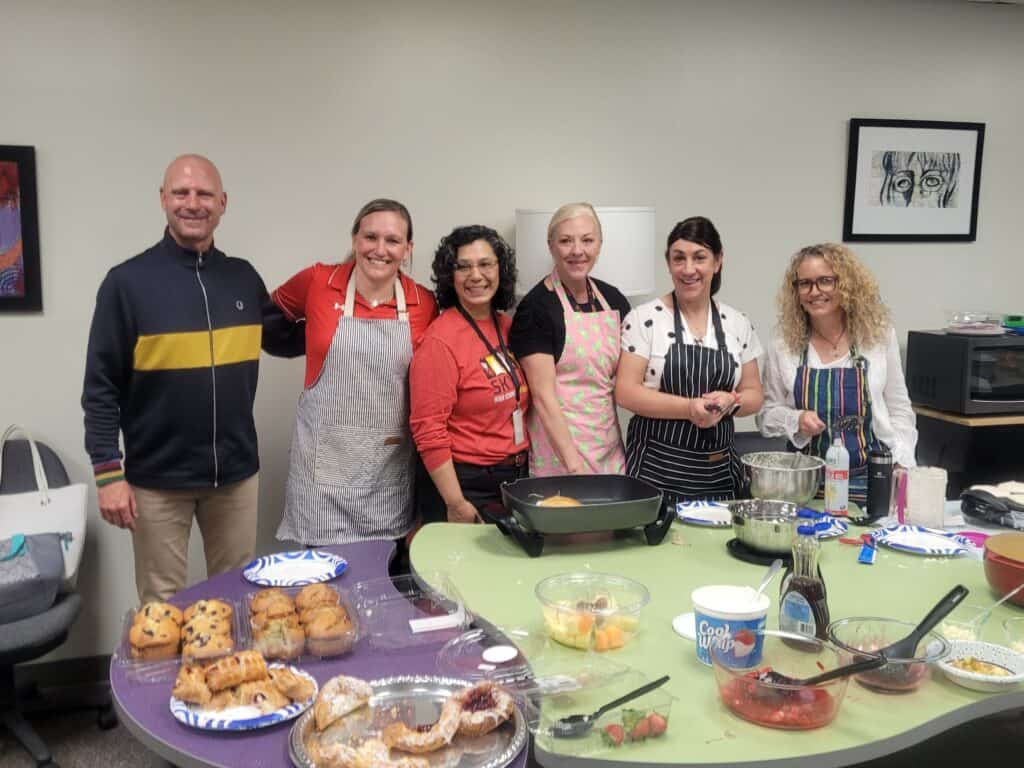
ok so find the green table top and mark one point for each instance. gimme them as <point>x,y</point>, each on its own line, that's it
<point>496,579</point>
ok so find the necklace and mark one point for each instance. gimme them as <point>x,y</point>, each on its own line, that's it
<point>833,344</point>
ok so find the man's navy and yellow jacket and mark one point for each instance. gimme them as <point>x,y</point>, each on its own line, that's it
<point>173,361</point>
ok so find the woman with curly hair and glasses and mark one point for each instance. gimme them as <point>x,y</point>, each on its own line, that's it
<point>469,395</point>
<point>834,367</point>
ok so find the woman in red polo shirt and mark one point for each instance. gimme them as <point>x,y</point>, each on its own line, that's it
<point>469,395</point>
<point>352,458</point>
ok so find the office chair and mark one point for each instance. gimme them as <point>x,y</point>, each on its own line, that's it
<point>29,638</point>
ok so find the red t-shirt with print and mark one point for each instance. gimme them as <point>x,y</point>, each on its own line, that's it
<point>317,294</point>
<point>463,399</point>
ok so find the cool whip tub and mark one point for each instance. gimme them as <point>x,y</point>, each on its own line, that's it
<point>728,618</point>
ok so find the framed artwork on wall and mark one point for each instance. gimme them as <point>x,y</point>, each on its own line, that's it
<point>912,181</point>
<point>21,287</point>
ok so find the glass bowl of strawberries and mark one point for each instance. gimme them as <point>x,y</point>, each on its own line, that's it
<point>772,693</point>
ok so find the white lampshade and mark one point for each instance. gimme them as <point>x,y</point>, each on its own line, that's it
<point>628,250</point>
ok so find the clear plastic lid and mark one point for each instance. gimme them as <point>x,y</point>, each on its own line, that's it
<point>492,653</point>
<point>974,317</point>
<point>409,611</point>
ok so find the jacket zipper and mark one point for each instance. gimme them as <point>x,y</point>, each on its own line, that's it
<point>213,369</point>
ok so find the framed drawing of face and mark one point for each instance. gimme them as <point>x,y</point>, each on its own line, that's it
<point>912,181</point>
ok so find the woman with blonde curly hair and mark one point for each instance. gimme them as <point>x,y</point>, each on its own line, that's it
<point>834,368</point>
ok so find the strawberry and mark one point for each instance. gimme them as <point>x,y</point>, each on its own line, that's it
<point>641,730</point>
<point>657,724</point>
<point>613,735</point>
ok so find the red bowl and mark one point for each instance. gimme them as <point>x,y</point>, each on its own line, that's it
<point>1004,575</point>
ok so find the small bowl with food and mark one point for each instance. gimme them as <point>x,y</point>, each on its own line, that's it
<point>592,611</point>
<point>771,693</point>
<point>964,623</point>
<point>865,636</point>
<point>983,667</point>
<point>1014,630</point>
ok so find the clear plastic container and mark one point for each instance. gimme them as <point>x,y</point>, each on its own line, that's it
<point>410,611</point>
<point>617,732</point>
<point>863,635</point>
<point>962,624</point>
<point>1014,629</point>
<point>332,648</point>
<point>492,653</point>
<point>592,611</point>
<point>164,670</point>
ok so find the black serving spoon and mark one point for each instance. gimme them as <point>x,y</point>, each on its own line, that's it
<point>574,726</point>
<point>907,647</point>
<point>864,665</point>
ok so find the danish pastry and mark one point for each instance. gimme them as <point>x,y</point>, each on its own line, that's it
<point>484,707</point>
<point>420,741</point>
<point>263,695</point>
<point>295,687</point>
<point>235,669</point>
<point>339,696</point>
<point>190,685</point>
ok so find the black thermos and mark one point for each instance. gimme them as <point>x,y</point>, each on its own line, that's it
<point>879,482</point>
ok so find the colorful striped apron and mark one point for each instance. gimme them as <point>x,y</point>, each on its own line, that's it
<point>675,455</point>
<point>352,456</point>
<point>833,393</point>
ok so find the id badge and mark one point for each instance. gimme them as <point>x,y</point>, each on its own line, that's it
<point>518,432</point>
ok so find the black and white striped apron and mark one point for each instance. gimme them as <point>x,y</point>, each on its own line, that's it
<point>352,456</point>
<point>675,455</point>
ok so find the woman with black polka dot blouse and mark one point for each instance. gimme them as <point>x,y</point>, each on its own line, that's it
<point>688,367</point>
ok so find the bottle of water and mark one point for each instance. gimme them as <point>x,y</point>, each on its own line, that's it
<point>837,479</point>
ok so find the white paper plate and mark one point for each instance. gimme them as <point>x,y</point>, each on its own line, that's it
<point>993,654</point>
<point>922,541</point>
<point>240,718</point>
<point>295,569</point>
<point>710,514</point>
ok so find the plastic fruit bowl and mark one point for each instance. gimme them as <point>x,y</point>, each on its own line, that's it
<point>591,611</point>
<point>752,693</point>
<point>1014,629</point>
<point>862,635</point>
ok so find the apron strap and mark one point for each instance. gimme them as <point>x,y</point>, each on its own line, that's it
<point>350,298</point>
<point>716,322</point>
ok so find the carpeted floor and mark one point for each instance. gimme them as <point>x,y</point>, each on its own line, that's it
<point>77,742</point>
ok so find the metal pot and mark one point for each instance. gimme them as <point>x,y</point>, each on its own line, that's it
<point>766,525</point>
<point>784,476</point>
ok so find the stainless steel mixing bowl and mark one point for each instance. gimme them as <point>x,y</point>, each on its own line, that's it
<point>765,525</point>
<point>783,476</point>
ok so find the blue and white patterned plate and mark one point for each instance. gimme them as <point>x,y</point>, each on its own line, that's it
<point>919,540</point>
<point>240,718</point>
<point>710,514</point>
<point>295,569</point>
<point>835,528</point>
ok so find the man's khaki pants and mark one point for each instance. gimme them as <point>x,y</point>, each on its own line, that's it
<point>227,519</point>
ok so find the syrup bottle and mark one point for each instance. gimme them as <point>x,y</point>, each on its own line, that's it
<point>803,608</point>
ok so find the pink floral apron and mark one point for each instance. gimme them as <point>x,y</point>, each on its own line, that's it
<point>584,387</point>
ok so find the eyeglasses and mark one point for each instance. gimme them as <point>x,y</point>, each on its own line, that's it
<point>825,284</point>
<point>487,265</point>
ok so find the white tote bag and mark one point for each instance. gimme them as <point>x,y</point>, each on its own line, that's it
<point>45,510</point>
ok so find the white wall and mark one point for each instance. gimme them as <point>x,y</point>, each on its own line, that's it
<point>465,111</point>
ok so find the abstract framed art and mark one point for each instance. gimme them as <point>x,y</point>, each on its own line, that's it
<point>20,280</point>
<point>912,181</point>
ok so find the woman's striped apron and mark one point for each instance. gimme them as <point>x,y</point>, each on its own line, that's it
<point>352,456</point>
<point>675,455</point>
<point>833,393</point>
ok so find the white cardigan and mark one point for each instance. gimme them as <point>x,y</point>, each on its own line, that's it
<point>893,418</point>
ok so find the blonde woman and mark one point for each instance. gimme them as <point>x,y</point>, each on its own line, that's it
<point>834,367</point>
<point>566,336</point>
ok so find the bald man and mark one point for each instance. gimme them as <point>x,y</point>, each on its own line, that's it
<point>172,364</point>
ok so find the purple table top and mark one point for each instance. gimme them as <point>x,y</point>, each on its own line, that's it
<point>144,708</point>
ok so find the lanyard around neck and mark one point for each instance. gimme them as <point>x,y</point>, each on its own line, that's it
<point>592,301</point>
<point>504,358</point>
